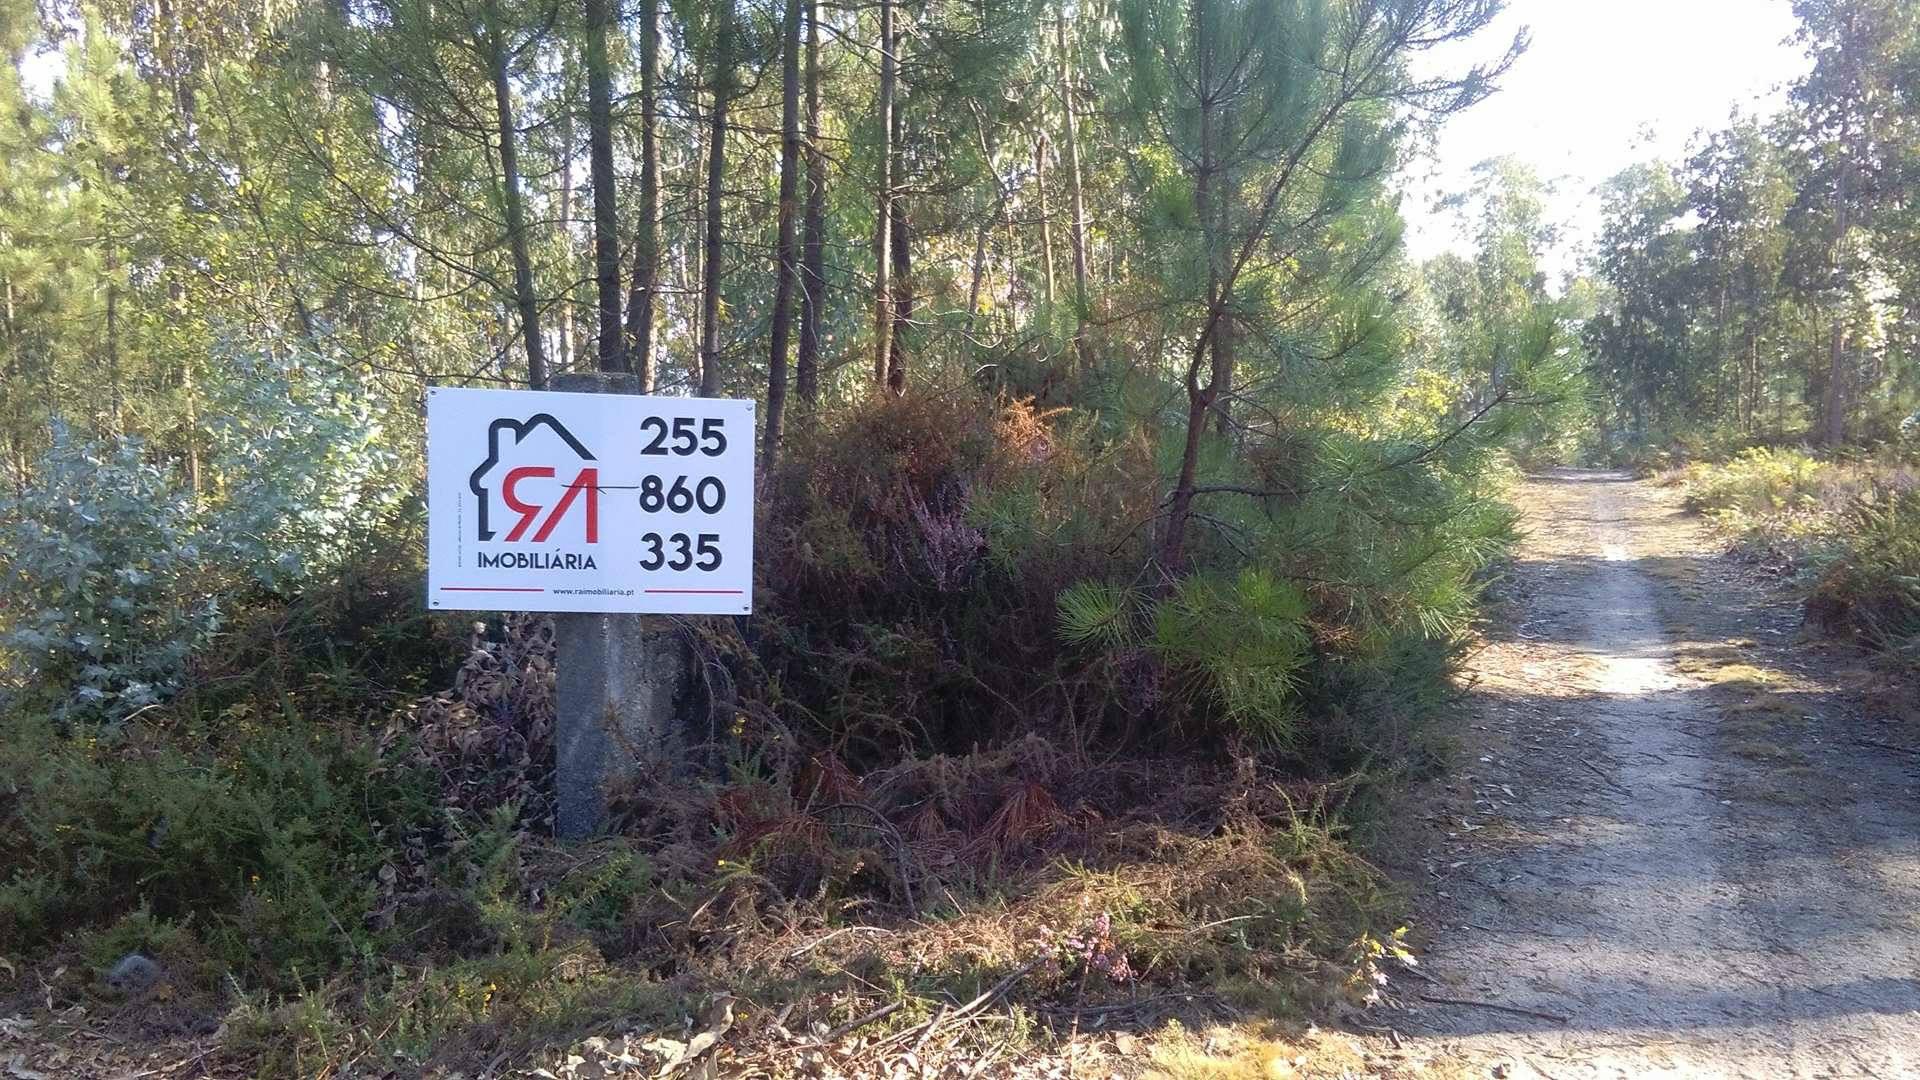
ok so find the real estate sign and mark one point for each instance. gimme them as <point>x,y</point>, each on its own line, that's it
<point>541,501</point>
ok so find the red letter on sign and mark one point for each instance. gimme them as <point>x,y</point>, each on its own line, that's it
<point>589,480</point>
<point>526,511</point>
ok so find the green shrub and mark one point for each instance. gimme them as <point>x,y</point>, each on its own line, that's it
<point>1757,482</point>
<point>100,577</point>
<point>1237,642</point>
<point>1869,583</point>
<point>113,572</point>
<point>399,1016</point>
<point>1849,528</point>
<point>963,649</point>
<point>263,834</point>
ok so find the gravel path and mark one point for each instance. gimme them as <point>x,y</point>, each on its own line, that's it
<point>1681,857</point>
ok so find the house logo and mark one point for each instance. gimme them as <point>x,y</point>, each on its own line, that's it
<point>536,477</point>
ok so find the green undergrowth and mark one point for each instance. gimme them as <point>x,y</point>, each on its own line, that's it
<point>1847,529</point>
<point>968,734</point>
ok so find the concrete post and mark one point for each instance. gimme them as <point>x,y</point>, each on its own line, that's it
<point>623,688</point>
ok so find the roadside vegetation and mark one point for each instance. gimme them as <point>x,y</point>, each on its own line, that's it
<point>1845,529</point>
<point>961,740</point>
<point>1098,617</point>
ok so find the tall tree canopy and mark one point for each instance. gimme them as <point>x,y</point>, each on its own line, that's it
<point>1765,287</point>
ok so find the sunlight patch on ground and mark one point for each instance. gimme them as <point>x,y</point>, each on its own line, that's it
<point>1632,675</point>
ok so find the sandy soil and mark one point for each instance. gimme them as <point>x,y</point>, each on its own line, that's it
<point>1679,847</point>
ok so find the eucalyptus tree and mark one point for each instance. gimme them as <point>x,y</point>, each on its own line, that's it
<point>1644,340</point>
<point>1478,300</point>
<point>1768,285</point>
<point>1860,122</point>
<point>1739,190</point>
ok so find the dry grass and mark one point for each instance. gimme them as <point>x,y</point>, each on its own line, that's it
<point>1763,709</point>
<point>1145,922</point>
<point>1279,900</point>
<point>1790,785</point>
<point>1259,1052</point>
<point>1746,676</point>
<point>1769,753</point>
<point>1272,1051</point>
<point>1224,1055</point>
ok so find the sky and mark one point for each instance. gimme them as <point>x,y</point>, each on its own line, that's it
<point>1606,83</point>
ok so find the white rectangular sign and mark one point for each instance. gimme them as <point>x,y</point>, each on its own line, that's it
<point>541,501</point>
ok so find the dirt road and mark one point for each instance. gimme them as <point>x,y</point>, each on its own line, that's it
<point>1679,855</point>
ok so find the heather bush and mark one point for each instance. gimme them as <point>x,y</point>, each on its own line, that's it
<point>943,574</point>
<point>914,551</point>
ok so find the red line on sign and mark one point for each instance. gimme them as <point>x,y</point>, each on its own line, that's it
<point>484,588</point>
<point>718,592</point>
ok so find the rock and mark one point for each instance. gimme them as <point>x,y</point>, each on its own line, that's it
<point>134,975</point>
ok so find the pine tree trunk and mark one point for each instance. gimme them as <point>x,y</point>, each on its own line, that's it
<point>516,217</point>
<point>563,351</point>
<point>1720,355</point>
<point>693,262</point>
<point>113,346</point>
<point>16,430</point>
<point>716,177</point>
<point>1046,218</point>
<point>1013,265</point>
<point>788,252</point>
<point>1200,400</point>
<point>1078,226</point>
<point>611,349</point>
<point>978,276</point>
<point>1220,387</point>
<point>813,279</point>
<point>984,231</point>
<point>191,392</point>
<point>645,286</point>
<point>883,208</point>
<point>1834,422</point>
<point>902,254</point>
<point>1838,367</point>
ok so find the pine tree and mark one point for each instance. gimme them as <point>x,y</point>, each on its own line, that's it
<point>606,243</point>
<point>1252,99</point>
<point>786,249</point>
<point>721,79</point>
